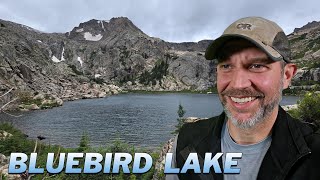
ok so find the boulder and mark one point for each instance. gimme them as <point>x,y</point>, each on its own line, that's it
<point>4,135</point>
<point>59,101</point>
<point>290,107</point>
<point>4,172</point>
<point>3,160</point>
<point>102,95</point>
<point>87,96</point>
<point>39,96</point>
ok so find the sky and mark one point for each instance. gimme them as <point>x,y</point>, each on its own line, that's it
<point>170,20</point>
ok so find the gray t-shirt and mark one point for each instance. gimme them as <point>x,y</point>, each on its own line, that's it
<point>252,155</point>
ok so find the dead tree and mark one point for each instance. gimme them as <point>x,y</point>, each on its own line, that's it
<point>5,104</point>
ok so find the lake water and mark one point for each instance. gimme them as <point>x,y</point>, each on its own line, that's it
<point>144,120</point>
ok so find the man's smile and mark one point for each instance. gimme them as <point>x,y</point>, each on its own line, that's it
<point>242,100</point>
<point>242,103</point>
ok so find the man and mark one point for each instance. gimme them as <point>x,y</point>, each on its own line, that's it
<point>253,68</point>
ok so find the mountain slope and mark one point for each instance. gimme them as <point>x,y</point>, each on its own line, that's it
<point>97,54</point>
<point>305,44</point>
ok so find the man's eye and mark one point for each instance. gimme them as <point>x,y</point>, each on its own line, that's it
<point>225,66</point>
<point>256,66</point>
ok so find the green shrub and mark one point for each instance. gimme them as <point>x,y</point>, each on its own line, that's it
<point>118,146</point>
<point>26,97</point>
<point>84,143</point>
<point>302,37</point>
<point>3,177</point>
<point>308,108</point>
<point>18,142</point>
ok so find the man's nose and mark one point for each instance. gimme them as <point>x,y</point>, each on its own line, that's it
<point>240,79</point>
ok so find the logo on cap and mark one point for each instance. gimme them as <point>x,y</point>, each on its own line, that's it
<point>244,26</point>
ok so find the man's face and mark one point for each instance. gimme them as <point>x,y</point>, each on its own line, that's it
<point>249,86</point>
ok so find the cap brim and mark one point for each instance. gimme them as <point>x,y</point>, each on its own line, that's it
<point>214,47</point>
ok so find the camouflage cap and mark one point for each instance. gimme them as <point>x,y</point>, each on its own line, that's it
<point>265,34</point>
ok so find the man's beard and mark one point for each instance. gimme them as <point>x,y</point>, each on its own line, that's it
<point>260,115</point>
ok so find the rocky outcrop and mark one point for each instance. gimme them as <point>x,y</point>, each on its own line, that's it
<point>192,69</point>
<point>190,46</point>
<point>307,27</point>
<point>308,74</point>
<point>4,167</point>
<point>305,43</point>
<point>159,166</point>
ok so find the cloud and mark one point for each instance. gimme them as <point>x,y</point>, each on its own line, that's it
<point>177,21</point>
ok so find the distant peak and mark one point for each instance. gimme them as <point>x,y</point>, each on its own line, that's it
<point>120,19</point>
<point>95,29</point>
<point>123,23</point>
<point>310,25</point>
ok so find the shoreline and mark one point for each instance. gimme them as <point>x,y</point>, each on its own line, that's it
<point>125,92</point>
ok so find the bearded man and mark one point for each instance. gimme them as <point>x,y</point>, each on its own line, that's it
<point>253,67</point>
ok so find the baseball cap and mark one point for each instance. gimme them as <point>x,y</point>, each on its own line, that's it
<point>263,33</point>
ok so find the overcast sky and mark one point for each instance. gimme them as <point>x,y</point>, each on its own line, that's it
<point>170,20</point>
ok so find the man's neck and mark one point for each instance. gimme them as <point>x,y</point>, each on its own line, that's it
<point>255,134</point>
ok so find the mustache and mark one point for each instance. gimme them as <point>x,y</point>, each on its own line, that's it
<point>241,92</point>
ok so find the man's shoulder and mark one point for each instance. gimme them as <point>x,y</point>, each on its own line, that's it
<point>199,124</point>
<point>311,134</point>
<point>193,132</point>
<point>313,140</point>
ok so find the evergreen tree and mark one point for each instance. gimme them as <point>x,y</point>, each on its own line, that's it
<point>84,143</point>
<point>181,112</point>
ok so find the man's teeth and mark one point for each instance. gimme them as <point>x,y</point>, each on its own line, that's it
<point>242,100</point>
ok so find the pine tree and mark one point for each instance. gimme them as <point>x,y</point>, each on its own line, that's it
<point>181,112</point>
<point>84,143</point>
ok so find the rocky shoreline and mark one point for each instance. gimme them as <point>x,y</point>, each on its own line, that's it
<point>39,100</point>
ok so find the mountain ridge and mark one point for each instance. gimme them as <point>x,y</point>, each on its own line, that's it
<point>99,54</point>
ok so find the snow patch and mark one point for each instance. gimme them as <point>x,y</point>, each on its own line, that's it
<point>103,26</point>
<point>89,37</point>
<point>97,75</point>
<point>80,61</point>
<point>55,59</point>
<point>62,54</point>
<point>79,30</point>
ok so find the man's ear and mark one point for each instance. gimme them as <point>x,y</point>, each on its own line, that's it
<point>289,71</point>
